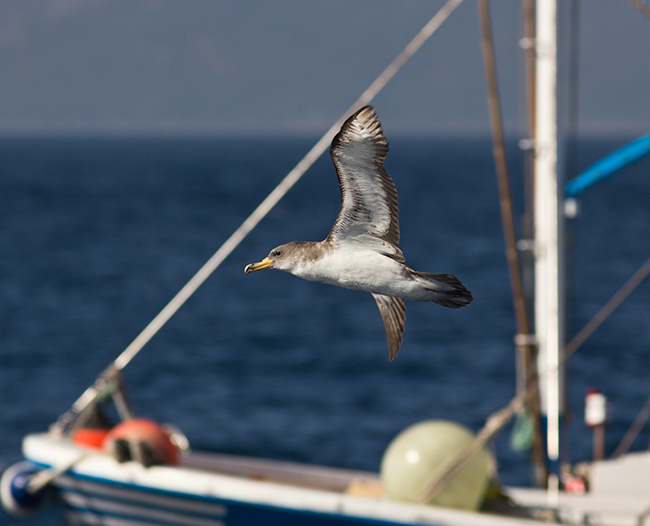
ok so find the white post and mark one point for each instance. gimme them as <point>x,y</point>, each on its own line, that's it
<point>549,312</point>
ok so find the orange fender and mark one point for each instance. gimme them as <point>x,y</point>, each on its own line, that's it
<point>90,437</point>
<point>142,440</point>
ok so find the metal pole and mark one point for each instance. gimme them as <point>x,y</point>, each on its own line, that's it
<point>549,309</point>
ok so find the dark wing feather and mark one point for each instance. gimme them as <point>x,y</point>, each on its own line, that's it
<point>393,314</point>
<point>369,210</point>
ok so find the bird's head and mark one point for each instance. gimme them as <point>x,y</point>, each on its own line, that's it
<point>285,257</point>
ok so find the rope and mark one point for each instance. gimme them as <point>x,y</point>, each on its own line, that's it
<point>260,212</point>
<point>498,420</point>
<point>41,479</point>
<point>607,309</point>
<point>640,6</point>
<point>632,433</point>
<point>495,422</point>
<point>278,193</point>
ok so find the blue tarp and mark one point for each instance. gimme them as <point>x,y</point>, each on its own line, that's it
<point>608,166</point>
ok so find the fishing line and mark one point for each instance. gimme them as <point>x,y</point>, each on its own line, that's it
<point>260,212</point>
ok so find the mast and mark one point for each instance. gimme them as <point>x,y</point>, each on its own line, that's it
<point>548,219</point>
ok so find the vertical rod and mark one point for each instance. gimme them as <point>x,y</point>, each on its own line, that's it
<point>528,43</point>
<point>538,456</point>
<point>599,442</point>
<point>549,313</point>
<point>529,36</point>
<point>505,200</point>
<point>574,90</point>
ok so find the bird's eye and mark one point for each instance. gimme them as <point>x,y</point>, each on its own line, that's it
<point>277,253</point>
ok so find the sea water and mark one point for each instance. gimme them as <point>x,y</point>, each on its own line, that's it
<point>97,235</point>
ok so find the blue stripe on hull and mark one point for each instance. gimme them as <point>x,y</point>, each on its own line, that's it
<point>94,501</point>
<point>90,505</point>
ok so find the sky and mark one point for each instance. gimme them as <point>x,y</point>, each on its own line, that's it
<point>256,67</point>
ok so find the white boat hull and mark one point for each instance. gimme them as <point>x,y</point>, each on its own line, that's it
<point>99,490</point>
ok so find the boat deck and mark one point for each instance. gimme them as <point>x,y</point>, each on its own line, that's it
<point>282,472</point>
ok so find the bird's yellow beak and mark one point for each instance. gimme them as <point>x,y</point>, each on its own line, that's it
<point>265,263</point>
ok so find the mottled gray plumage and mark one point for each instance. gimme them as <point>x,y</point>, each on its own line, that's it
<point>369,203</point>
<point>361,251</point>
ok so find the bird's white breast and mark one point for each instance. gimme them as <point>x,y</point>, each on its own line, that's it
<point>357,268</point>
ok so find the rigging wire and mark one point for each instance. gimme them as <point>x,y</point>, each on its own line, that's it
<point>641,7</point>
<point>274,197</point>
<point>634,430</point>
<point>606,310</point>
<point>499,419</point>
<point>574,90</point>
<point>260,212</point>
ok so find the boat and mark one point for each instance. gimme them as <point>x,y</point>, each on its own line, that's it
<point>138,472</point>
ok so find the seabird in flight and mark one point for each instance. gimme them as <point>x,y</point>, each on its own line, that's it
<point>361,252</point>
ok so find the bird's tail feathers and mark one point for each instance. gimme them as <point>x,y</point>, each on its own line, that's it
<point>452,292</point>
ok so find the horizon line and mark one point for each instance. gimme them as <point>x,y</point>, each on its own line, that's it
<point>312,129</point>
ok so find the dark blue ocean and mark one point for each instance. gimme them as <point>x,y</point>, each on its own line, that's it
<point>97,235</point>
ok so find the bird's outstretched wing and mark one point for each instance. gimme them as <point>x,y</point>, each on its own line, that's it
<point>369,210</point>
<point>393,314</point>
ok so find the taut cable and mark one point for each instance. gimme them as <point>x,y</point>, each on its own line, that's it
<point>259,213</point>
